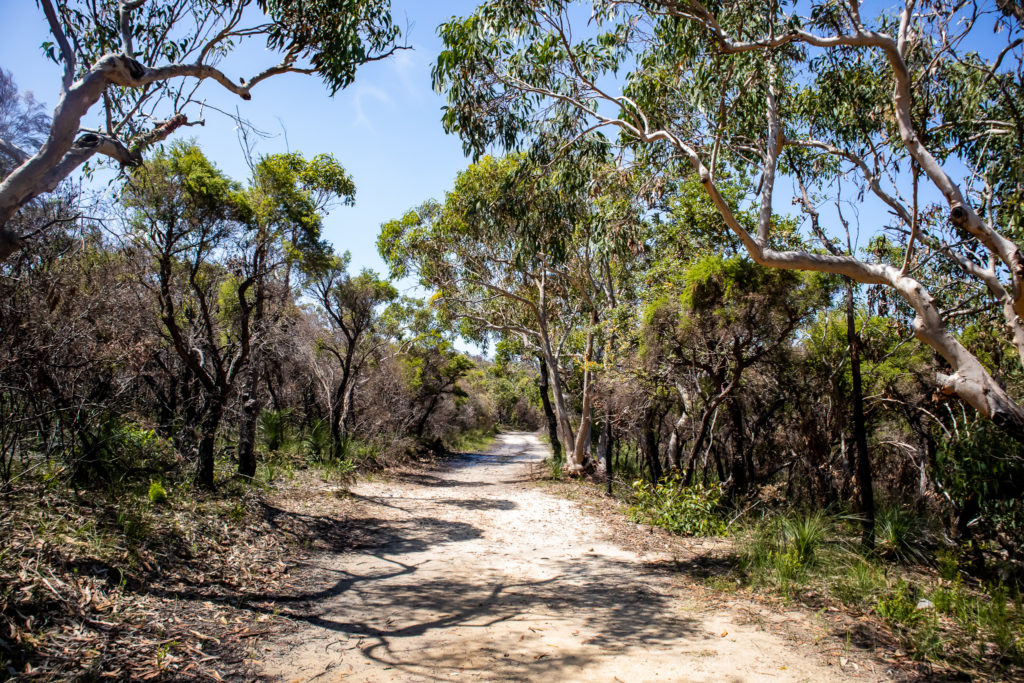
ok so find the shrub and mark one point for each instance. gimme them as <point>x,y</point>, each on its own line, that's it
<point>804,533</point>
<point>157,493</point>
<point>900,535</point>
<point>316,442</point>
<point>777,552</point>
<point>684,510</point>
<point>119,449</point>
<point>274,428</point>
<point>917,628</point>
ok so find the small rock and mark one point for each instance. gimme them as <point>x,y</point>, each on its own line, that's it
<point>925,604</point>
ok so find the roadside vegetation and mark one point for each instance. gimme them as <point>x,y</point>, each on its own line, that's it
<point>754,271</point>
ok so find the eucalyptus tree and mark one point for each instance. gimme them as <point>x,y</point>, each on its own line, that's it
<point>903,108</point>
<point>489,252</point>
<point>188,218</point>
<point>219,255</point>
<point>711,323</point>
<point>516,250</point>
<point>142,62</point>
<point>432,368</point>
<point>286,199</point>
<point>352,308</point>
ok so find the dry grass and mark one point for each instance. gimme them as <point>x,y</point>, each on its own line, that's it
<point>97,587</point>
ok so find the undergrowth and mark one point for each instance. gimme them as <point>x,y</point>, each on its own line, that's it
<point>909,582</point>
<point>87,576</point>
<point>474,440</point>
<point>133,572</point>
<point>685,510</point>
<point>937,614</point>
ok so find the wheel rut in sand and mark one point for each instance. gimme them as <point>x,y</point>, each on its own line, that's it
<point>470,573</point>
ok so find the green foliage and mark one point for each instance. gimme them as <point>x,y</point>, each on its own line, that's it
<point>472,441</point>
<point>275,428</point>
<point>180,181</point>
<point>860,581</point>
<point>980,467</point>
<point>684,510</point>
<point>962,625</point>
<point>157,493</point>
<point>919,627</point>
<point>335,35</point>
<point>901,534</point>
<point>339,470</point>
<point>779,551</point>
<point>287,198</point>
<point>118,448</point>
<point>330,38</point>
<point>804,534</point>
<point>131,519</point>
<point>316,442</point>
<point>888,363</point>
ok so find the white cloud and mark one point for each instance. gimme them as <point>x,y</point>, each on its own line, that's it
<point>362,92</point>
<point>407,70</point>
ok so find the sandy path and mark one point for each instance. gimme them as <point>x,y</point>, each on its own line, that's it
<point>469,574</point>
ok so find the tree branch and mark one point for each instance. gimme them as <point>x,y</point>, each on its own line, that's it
<point>67,55</point>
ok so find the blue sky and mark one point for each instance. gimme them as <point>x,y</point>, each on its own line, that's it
<point>385,128</point>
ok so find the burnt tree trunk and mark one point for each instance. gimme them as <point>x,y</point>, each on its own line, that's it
<point>649,444</point>
<point>549,413</point>
<point>865,487</point>
<point>247,430</point>
<point>207,444</point>
<point>606,436</point>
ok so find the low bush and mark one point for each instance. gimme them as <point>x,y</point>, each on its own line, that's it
<point>157,493</point>
<point>685,510</point>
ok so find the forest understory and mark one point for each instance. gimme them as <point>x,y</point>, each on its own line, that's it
<point>309,571</point>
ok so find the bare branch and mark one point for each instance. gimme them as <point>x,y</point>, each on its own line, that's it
<point>67,56</point>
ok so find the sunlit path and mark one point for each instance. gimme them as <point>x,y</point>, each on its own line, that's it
<point>471,573</point>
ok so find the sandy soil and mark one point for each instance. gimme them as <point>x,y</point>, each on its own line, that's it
<point>472,573</point>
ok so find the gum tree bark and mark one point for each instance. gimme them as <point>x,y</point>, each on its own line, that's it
<point>575,464</point>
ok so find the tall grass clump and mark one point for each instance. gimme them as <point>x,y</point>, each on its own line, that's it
<point>779,551</point>
<point>275,428</point>
<point>901,535</point>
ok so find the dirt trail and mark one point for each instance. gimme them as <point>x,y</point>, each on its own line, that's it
<point>470,573</point>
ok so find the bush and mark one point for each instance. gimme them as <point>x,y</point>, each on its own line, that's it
<point>778,552</point>
<point>316,442</point>
<point>900,535</point>
<point>275,428</point>
<point>804,533</point>
<point>684,510</point>
<point>157,493</point>
<point>120,449</point>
